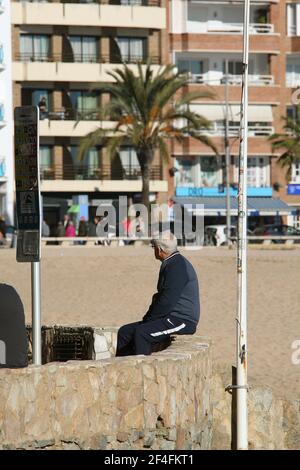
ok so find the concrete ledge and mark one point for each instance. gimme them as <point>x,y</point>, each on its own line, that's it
<point>160,402</point>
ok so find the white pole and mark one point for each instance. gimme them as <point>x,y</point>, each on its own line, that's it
<point>241,320</point>
<point>227,158</point>
<point>36,313</point>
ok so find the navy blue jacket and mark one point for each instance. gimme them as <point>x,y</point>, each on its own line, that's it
<point>177,291</point>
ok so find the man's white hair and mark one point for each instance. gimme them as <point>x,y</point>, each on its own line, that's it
<point>167,242</point>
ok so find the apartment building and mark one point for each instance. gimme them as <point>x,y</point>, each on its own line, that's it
<point>61,50</point>
<point>205,35</point>
<point>6,115</point>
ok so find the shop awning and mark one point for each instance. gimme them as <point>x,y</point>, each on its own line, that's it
<point>255,113</point>
<point>257,206</point>
<point>212,112</point>
<point>215,112</point>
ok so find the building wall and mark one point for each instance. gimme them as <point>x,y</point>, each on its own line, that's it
<point>6,132</point>
<point>278,46</point>
<point>106,21</point>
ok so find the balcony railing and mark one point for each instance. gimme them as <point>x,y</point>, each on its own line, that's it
<point>234,130</point>
<point>85,58</point>
<point>230,28</point>
<point>70,114</point>
<point>92,172</point>
<point>213,78</point>
<point>144,3</point>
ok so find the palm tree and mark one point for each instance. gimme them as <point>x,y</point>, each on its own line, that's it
<point>145,109</point>
<point>289,142</point>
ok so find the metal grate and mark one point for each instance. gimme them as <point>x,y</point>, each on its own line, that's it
<point>68,346</point>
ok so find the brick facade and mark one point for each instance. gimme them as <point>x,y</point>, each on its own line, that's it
<point>278,46</point>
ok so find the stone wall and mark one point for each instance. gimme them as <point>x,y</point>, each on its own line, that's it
<point>157,402</point>
<point>274,423</point>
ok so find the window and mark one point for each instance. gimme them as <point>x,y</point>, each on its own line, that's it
<point>45,160</point>
<point>195,67</point>
<point>2,167</point>
<point>1,54</point>
<point>184,174</point>
<point>293,72</point>
<point>86,168</point>
<point>210,171</point>
<point>201,172</point>
<point>292,113</point>
<point>84,48</point>
<point>258,173</point>
<point>291,20</point>
<point>235,67</point>
<point>129,161</point>
<point>1,112</point>
<point>34,47</point>
<point>295,176</point>
<point>131,49</point>
<point>37,95</point>
<point>131,2</point>
<point>84,101</point>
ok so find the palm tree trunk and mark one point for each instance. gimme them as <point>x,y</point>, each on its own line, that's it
<point>146,184</point>
<point>145,158</point>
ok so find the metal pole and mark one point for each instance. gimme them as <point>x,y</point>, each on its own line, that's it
<point>36,313</point>
<point>227,158</point>
<point>241,320</point>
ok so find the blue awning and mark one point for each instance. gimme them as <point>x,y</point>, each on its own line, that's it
<point>217,205</point>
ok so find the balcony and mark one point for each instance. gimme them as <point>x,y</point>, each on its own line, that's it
<point>254,130</point>
<point>64,69</point>
<point>148,15</point>
<point>218,78</point>
<point>103,172</point>
<point>217,2</point>
<point>217,27</point>
<point>260,119</point>
<point>105,178</point>
<point>67,122</point>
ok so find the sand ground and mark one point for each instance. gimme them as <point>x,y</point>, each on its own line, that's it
<point>112,286</point>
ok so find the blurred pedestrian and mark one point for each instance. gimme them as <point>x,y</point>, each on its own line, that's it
<point>82,230</point>
<point>66,220</point>
<point>60,231</point>
<point>45,229</point>
<point>70,230</point>
<point>2,229</point>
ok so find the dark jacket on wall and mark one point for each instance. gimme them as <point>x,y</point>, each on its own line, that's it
<point>177,291</point>
<point>13,338</point>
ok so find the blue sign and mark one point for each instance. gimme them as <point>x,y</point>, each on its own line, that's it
<point>293,189</point>
<point>183,191</point>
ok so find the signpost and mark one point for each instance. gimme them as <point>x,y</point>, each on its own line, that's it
<point>241,319</point>
<point>28,202</point>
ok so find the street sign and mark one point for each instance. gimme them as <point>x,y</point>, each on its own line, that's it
<point>28,200</point>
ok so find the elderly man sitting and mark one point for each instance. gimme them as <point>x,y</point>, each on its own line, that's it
<point>175,308</point>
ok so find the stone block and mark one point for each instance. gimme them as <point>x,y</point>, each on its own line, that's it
<point>100,344</point>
